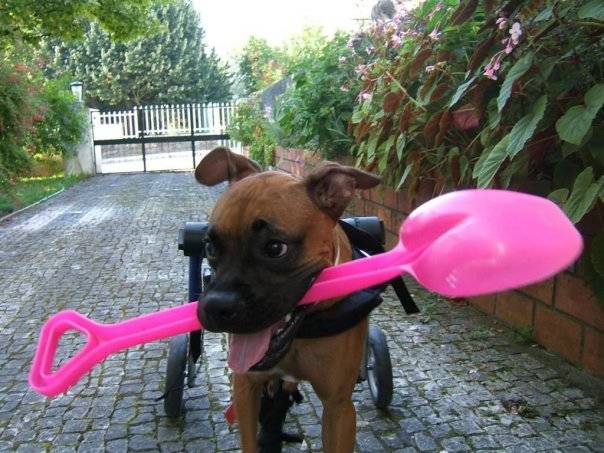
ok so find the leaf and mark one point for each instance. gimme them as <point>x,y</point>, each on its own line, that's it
<point>357,116</point>
<point>517,167</point>
<point>404,177</point>
<point>372,145</point>
<point>461,90</point>
<point>489,166</point>
<point>592,10</point>
<point>464,12</point>
<point>466,117</point>
<point>392,101</point>
<point>576,122</point>
<point>480,53</point>
<point>400,146</point>
<point>406,117</point>
<point>594,98</point>
<point>559,196</point>
<point>582,197</point>
<point>418,61</point>
<point>546,14</point>
<point>525,127</point>
<point>515,72</point>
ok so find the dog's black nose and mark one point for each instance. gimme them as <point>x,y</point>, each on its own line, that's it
<point>221,306</point>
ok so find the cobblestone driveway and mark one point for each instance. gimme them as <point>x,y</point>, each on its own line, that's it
<point>107,248</point>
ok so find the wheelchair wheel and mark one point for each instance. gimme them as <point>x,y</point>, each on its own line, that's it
<point>175,376</point>
<point>378,368</point>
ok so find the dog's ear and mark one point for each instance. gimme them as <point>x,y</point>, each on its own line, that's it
<point>331,186</point>
<point>222,164</point>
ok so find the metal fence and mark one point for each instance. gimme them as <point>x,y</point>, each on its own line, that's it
<point>115,131</point>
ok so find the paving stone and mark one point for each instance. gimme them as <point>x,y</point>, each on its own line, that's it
<point>107,248</point>
<point>424,442</point>
<point>453,444</point>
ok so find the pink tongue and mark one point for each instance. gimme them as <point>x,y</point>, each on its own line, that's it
<point>247,349</point>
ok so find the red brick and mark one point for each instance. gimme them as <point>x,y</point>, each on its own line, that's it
<point>515,308</point>
<point>543,291</point>
<point>391,240</point>
<point>397,220</point>
<point>405,202</point>
<point>558,333</point>
<point>390,198</point>
<point>485,303</point>
<point>593,351</point>
<point>574,297</point>
<point>384,214</point>
<point>424,193</point>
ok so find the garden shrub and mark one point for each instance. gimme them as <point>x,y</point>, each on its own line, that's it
<point>36,116</point>
<point>503,94</point>
<point>250,127</point>
<point>314,112</point>
<point>19,111</point>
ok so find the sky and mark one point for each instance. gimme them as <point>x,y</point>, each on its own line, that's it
<point>229,23</point>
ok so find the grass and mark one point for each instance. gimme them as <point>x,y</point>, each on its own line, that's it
<point>31,189</point>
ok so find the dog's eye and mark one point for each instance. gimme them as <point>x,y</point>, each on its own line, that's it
<point>275,249</point>
<point>210,250</point>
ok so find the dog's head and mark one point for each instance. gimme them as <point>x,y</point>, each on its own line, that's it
<point>270,234</point>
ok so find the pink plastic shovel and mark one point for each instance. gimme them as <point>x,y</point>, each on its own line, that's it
<point>461,244</point>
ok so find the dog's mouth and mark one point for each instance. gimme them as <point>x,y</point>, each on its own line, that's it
<point>262,350</point>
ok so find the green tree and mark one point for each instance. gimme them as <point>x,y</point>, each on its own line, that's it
<point>314,112</point>
<point>169,65</point>
<point>260,65</point>
<point>32,20</point>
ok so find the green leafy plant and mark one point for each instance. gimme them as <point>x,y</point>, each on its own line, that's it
<point>64,120</point>
<point>251,128</point>
<point>19,111</point>
<point>315,110</point>
<point>504,94</point>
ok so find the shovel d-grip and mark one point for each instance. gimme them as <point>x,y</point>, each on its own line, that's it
<point>102,341</point>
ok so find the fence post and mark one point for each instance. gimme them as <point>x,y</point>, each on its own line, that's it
<point>192,134</point>
<point>141,122</point>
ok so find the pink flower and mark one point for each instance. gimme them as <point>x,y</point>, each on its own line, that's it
<point>434,34</point>
<point>360,69</point>
<point>430,68</point>
<point>516,32</point>
<point>390,27</point>
<point>493,66</point>
<point>365,96</point>
<point>509,46</point>
<point>395,41</point>
<point>502,23</point>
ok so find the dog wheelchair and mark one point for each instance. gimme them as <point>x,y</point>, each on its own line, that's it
<point>367,237</point>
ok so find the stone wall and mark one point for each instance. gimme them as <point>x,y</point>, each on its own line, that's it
<point>561,314</point>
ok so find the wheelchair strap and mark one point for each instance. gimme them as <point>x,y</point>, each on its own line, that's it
<point>366,242</point>
<point>341,317</point>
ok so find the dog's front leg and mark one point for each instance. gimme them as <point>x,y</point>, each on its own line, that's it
<point>246,395</point>
<point>339,426</point>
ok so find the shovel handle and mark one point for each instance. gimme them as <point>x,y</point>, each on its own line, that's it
<point>102,340</point>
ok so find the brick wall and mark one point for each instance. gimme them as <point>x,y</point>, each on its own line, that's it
<point>561,314</point>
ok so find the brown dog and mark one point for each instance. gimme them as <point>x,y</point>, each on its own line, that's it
<point>270,235</point>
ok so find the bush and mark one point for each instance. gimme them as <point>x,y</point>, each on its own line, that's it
<point>314,112</point>
<point>64,122</point>
<point>36,116</point>
<point>251,128</point>
<point>489,94</point>
<point>19,111</point>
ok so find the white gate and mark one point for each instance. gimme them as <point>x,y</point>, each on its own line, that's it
<point>159,137</point>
